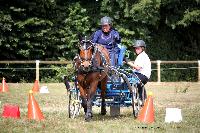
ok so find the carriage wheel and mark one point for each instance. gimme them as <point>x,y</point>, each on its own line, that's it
<point>137,103</point>
<point>134,104</point>
<point>74,104</point>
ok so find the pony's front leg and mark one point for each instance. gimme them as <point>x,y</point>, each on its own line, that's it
<point>83,98</point>
<point>90,94</point>
<point>88,115</point>
<point>84,104</point>
<point>103,96</point>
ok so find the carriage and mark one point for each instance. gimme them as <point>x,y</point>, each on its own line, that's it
<point>97,83</point>
<point>121,91</point>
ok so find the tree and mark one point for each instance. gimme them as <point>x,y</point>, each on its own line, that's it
<point>47,30</point>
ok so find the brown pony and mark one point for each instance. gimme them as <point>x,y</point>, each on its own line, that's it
<point>91,67</point>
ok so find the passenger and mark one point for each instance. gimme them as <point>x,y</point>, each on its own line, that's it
<point>110,38</point>
<point>142,65</point>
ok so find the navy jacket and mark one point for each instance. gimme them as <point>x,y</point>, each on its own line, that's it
<point>109,40</point>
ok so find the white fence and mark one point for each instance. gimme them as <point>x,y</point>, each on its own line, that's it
<point>158,62</point>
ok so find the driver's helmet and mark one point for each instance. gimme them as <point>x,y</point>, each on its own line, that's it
<point>139,43</point>
<point>106,20</point>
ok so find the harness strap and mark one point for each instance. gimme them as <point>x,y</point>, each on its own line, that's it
<point>94,68</point>
<point>102,57</point>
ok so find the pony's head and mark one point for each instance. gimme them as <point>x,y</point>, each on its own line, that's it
<point>86,50</point>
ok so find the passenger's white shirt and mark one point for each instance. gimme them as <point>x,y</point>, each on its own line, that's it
<point>144,62</point>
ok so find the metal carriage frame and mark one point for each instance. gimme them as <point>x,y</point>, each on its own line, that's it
<point>122,91</point>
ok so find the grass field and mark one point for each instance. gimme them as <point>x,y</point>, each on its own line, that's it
<point>185,96</point>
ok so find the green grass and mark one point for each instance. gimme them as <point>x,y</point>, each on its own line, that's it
<point>54,108</point>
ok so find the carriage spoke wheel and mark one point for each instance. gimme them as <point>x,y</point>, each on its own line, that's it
<point>74,104</point>
<point>136,102</point>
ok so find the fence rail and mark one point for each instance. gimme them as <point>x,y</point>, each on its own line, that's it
<point>158,62</point>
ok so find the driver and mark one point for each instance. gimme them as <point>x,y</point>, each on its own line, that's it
<point>109,38</point>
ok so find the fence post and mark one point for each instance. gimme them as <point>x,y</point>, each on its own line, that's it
<point>37,70</point>
<point>158,71</point>
<point>199,71</point>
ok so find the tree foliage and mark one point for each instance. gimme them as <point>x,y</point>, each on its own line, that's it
<point>48,29</point>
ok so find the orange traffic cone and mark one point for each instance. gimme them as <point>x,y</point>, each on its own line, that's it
<point>34,111</point>
<point>36,86</point>
<point>146,115</point>
<point>4,86</point>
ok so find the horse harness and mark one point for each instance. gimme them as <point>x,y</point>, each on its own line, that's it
<point>93,61</point>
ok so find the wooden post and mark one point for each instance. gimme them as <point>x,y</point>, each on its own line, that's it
<point>199,71</point>
<point>158,71</point>
<point>37,70</point>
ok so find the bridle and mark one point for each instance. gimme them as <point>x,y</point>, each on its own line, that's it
<point>84,47</point>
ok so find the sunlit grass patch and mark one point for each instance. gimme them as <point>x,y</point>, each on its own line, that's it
<point>54,108</point>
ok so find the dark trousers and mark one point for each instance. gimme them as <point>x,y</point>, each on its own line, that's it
<point>144,80</point>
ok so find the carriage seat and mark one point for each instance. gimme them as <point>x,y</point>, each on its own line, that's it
<point>117,55</point>
<point>121,54</point>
